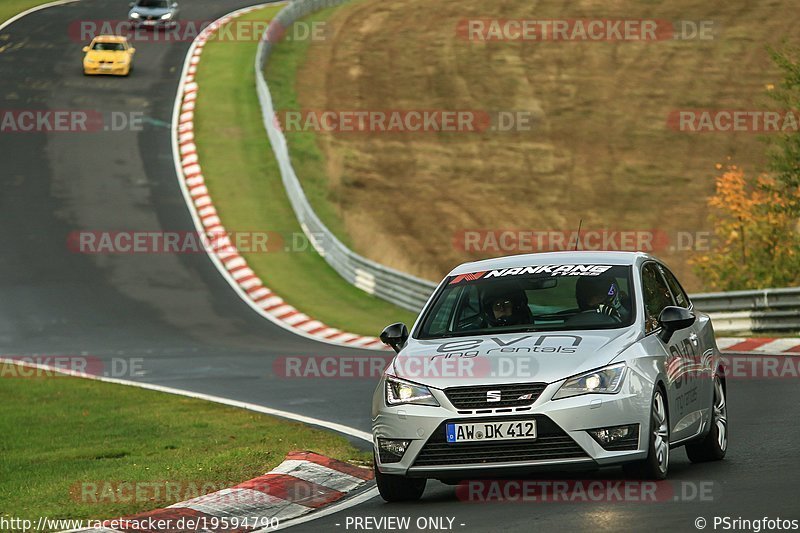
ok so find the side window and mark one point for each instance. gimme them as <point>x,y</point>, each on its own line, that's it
<point>681,299</point>
<point>469,308</point>
<point>441,315</point>
<point>655,294</point>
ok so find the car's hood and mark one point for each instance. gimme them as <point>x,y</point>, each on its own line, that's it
<point>106,55</point>
<point>509,358</point>
<point>151,11</point>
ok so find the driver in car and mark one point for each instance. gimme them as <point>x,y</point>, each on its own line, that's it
<point>506,306</point>
<point>600,294</point>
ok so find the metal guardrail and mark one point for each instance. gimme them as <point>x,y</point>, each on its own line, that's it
<point>752,311</point>
<point>740,311</point>
<point>389,284</point>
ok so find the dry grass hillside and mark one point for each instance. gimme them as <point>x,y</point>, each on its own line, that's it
<point>599,149</point>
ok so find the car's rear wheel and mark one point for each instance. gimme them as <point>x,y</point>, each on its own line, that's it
<point>715,444</point>
<point>656,465</point>
<point>399,488</point>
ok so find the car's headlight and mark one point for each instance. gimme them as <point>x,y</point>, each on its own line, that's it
<point>90,60</point>
<point>399,392</point>
<point>166,16</point>
<point>134,15</point>
<point>606,380</point>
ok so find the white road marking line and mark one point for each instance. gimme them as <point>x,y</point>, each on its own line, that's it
<point>201,396</point>
<point>724,343</point>
<point>319,474</point>
<point>777,346</point>
<point>182,122</point>
<point>328,510</point>
<point>241,503</point>
<point>294,319</point>
<point>27,12</point>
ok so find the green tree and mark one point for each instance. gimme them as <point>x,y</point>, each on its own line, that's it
<point>757,219</point>
<point>756,243</point>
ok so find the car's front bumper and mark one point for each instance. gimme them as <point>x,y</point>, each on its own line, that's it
<point>155,23</point>
<point>563,442</point>
<point>116,70</point>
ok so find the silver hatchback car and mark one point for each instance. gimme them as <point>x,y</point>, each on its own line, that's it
<point>154,13</point>
<point>548,361</point>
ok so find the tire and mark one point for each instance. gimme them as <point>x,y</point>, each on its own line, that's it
<point>714,445</point>
<point>399,488</point>
<point>656,465</point>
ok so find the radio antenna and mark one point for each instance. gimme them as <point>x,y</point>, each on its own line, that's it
<point>578,235</point>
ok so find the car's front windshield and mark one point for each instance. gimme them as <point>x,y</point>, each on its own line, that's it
<point>108,47</point>
<point>533,298</point>
<point>154,3</point>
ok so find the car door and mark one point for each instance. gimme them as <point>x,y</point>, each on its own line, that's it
<point>682,393</point>
<point>702,355</point>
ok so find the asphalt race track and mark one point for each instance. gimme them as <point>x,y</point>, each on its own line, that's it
<point>175,311</point>
<point>193,332</point>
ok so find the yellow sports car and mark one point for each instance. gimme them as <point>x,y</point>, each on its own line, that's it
<point>108,54</point>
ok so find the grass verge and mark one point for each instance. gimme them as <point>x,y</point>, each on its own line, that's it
<point>598,147</point>
<point>9,8</point>
<point>243,179</point>
<point>69,431</point>
<point>308,160</point>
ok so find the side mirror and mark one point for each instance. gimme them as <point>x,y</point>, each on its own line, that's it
<point>395,336</point>
<point>85,49</point>
<point>132,4</point>
<point>672,319</point>
<point>175,5</point>
<point>131,51</point>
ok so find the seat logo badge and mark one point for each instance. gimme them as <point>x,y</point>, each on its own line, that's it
<point>492,396</point>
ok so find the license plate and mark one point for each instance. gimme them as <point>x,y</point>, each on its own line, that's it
<point>105,67</point>
<point>484,431</point>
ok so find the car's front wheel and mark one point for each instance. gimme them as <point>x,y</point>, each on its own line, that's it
<point>657,463</point>
<point>715,444</point>
<point>399,488</point>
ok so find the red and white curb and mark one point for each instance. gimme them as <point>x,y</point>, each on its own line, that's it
<point>303,482</point>
<point>225,256</point>
<point>762,345</point>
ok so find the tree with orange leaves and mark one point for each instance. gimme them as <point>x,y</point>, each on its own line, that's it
<point>757,220</point>
<point>757,238</point>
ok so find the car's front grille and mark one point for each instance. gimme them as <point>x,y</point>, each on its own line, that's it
<point>551,443</point>
<point>477,397</point>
